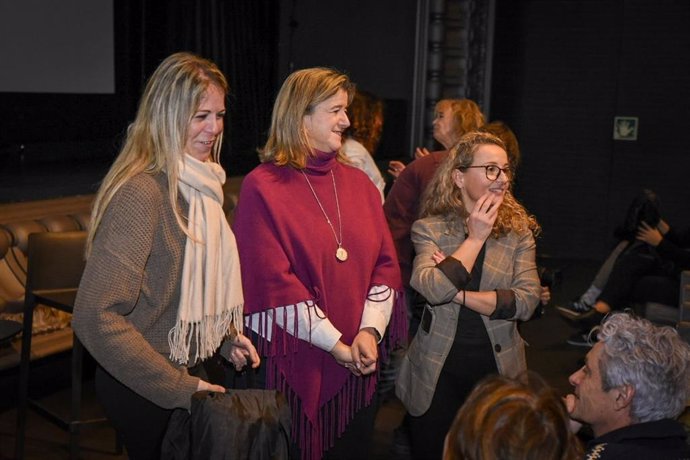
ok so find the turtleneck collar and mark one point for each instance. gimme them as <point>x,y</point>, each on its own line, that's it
<point>321,162</point>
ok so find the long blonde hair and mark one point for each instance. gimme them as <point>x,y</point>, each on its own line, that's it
<point>301,92</point>
<point>444,198</point>
<point>157,137</point>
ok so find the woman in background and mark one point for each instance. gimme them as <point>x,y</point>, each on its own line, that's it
<point>475,266</point>
<point>454,117</point>
<point>362,137</point>
<point>161,289</point>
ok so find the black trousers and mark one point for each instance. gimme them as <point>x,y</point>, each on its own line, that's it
<point>464,367</point>
<point>355,442</point>
<point>637,265</point>
<point>140,423</point>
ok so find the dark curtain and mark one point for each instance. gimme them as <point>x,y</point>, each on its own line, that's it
<point>241,36</point>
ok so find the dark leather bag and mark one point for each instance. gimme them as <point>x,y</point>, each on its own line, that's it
<point>238,425</point>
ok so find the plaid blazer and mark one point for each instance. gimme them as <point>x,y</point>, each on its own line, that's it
<point>509,263</point>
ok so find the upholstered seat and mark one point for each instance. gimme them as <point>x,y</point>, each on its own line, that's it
<point>13,268</point>
<point>55,264</point>
<point>51,330</point>
<point>673,315</point>
<point>12,277</point>
<point>60,223</point>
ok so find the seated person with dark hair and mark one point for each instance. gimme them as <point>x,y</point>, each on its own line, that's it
<point>635,382</point>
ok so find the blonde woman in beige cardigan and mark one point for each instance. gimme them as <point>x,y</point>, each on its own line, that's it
<point>161,290</point>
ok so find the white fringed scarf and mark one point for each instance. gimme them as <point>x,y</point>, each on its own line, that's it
<point>211,299</point>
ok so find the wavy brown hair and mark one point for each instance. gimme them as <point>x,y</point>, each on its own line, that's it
<point>501,130</point>
<point>512,419</point>
<point>301,92</point>
<point>444,198</point>
<point>365,113</point>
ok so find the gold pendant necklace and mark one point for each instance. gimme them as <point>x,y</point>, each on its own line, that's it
<point>341,252</point>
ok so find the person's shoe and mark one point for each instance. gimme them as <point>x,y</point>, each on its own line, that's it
<point>587,320</point>
<point>400,448</point>
<point>580,339</point>
<point>574,309</point>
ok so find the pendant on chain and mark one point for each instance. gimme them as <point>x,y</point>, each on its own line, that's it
<point>341,254</point>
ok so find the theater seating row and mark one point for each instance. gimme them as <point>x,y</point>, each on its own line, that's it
<point>51,330</point>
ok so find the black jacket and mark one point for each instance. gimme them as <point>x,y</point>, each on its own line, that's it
<point>660,440</point>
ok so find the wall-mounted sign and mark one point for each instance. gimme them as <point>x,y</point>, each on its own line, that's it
<point>625,128</point>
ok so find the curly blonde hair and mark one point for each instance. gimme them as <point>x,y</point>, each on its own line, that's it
<point>444,198</point>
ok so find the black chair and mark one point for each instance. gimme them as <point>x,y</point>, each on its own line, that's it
<point>677,316</point>
<point>54,268</point>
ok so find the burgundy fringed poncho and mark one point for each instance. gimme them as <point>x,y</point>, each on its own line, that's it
<point>287,253</point>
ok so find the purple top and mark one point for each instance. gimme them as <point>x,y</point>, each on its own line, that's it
<point>287,252</point>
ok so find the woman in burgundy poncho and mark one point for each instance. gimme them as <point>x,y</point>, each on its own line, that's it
<point>320,274</point>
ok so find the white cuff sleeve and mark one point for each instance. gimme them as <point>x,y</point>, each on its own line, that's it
<point>377,309</point>
<point>311,324</point>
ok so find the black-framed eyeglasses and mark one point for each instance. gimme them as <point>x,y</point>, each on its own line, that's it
<point>492,171</point>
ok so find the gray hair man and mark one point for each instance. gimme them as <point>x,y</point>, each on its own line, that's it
<point>635,382</point>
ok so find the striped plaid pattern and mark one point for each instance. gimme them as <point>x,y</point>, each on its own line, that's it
<point>509,263</point>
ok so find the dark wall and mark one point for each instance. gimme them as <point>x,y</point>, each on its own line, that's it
<point>372,41</point>
<point>562,71</point>
<point>42,136</point>
<point>255,42</point>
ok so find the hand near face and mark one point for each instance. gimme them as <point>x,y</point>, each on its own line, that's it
<point>242,351</point>
<point>649,235</point>
<point>482,218</point>
<point>365,352</point>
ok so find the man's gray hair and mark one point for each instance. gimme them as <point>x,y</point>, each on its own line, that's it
<point>654,360</point>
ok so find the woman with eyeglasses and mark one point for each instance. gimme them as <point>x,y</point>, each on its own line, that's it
<point>475,265</point>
